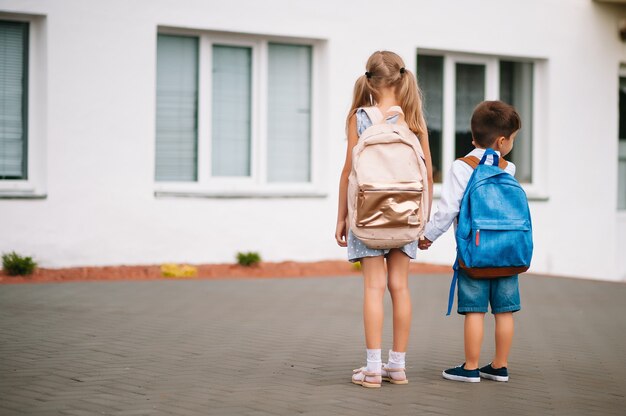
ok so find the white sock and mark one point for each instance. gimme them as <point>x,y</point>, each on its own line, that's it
<point>374,361</point>
<point>396,359</point>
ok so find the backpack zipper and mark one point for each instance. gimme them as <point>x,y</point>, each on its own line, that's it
<point>477,237</point>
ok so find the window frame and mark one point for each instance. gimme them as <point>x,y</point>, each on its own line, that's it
<point>256,185</point>
<point>34,185</point>
<point>536,189</point>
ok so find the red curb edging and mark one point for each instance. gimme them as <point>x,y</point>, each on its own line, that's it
<point>288,269</point>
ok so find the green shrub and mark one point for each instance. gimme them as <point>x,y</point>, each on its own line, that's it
<point>248,259</point>
<point>16,265</point>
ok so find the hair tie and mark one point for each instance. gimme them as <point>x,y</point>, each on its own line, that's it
<point>368,74</point>
<point>402,70</point>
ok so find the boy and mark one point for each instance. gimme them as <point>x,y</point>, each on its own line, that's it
<point>494,125</point>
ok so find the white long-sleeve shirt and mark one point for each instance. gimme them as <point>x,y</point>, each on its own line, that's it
<point>452,192</point>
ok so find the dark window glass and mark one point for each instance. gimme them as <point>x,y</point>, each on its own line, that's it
<point>516,88</point>
<point>430,79</point>
<point>621,179</point>
<point>470,91</point>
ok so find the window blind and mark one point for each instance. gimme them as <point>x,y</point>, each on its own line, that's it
<point>289,113</point>
<point>231,111</point>
<point>177,108</point>
<point>13,99</point>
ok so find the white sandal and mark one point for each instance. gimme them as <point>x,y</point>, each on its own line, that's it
<point>365,378</point>
<point>394,375</point>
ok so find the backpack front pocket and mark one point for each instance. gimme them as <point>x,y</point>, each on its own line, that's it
<point>500,243</point>
<point>389,206</point>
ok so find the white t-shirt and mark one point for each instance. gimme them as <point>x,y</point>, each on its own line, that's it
<point>452,192</point>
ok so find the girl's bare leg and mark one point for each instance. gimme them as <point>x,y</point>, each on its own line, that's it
<point>374,289</point>
<point>398,283</point>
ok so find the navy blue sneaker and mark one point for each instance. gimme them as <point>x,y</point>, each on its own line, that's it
<point>461,374</point>
<point>496,374</point>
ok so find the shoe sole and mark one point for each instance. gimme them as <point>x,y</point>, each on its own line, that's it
<point>389,380</point>
<point>494,378</point>
<point>460,378</point>
<point>367,385</point>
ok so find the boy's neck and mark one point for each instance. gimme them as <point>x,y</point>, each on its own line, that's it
<point>485,148</point>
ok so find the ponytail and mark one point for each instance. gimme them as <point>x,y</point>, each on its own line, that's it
<point>363,96</point>
<point>410,97</point>
<point>386,69</point>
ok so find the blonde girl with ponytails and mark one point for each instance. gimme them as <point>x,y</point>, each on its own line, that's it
<point>390,90</point>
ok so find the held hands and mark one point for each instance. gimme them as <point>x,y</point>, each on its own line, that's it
<point>424,243</point>
<point>340,234</point>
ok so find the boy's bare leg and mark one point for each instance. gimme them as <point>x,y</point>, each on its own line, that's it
<point>398,265</point>
<point>504,339</point>
<point>375,282</point>
<point>473,338</point>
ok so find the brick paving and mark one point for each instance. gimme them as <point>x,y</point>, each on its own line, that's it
<point>287,347</point>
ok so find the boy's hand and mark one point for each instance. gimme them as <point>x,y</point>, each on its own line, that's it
<point>424,243</point>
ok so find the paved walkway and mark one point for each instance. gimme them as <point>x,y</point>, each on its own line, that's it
<point>287,346</point>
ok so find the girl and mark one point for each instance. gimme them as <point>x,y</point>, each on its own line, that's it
<point>385,84</point>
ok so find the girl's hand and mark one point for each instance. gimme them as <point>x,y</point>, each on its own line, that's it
<point>340,234</point>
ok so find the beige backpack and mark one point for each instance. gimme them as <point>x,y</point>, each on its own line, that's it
<point>387,187</point>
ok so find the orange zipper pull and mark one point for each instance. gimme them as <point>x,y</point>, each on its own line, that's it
<point>477,237</point>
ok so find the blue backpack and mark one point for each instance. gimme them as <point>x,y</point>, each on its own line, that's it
<point>494,232</point>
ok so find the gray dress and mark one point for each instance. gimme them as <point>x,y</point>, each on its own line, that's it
<point>356,249</point>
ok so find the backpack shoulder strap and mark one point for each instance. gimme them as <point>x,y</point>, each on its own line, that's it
<point>470,160</point>
<point>473,161</point>
<point>376,117</point>
<point>394,110</point>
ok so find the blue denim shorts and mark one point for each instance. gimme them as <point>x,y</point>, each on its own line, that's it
<point>475,295</point>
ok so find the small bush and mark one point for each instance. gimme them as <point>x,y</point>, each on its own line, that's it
<point>174,270</point>
<point>16,265</point>
<point>248,259</point>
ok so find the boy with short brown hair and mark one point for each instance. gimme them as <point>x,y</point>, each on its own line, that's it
<point>494,125</point>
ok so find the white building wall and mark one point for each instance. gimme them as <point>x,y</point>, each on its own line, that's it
<point>99,82</point>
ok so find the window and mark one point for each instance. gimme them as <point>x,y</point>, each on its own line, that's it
<point>430,77</point>
<point>177,108</point>
<point>469,91</point>
<point>13,100</point>
<point>289,113</point>
<point>233,113</point>
<point>516,81</point>
<point>453,84</point>
<point>621,179</point>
